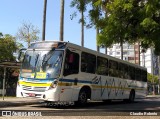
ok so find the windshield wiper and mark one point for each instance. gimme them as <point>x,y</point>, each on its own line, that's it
<point>58,59</point>
<point>36,59</point>
<point>46,58</point>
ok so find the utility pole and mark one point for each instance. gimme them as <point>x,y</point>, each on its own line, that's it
<point>44,20</point>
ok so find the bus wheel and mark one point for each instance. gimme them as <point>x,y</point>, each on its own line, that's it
<point>108,101</point>
<point>82,98</point>
<point>132,96</point>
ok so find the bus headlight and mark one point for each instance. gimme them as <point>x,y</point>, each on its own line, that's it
<point>53,84</point>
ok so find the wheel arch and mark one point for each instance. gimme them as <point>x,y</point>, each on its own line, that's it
<point>88,90</point>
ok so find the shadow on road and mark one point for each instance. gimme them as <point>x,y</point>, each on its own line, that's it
<point>89,105</point>
<point>138,105</point>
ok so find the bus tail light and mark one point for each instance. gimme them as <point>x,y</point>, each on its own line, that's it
<point>53,84</point>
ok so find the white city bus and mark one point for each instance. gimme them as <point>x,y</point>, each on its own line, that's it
<point>65,72</point>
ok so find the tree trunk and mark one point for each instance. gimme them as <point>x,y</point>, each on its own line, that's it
<point>44,20</point>
<point>139,54</point>
<point>152,72</point>
<point>158,74</point>
<point>82,29</point>
<point>62,20</point>
<point>105,50</point>
<point>121,44</point>
<point>134,54</point>
<point>97,32</point>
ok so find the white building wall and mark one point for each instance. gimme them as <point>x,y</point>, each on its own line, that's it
<point>128,50</point>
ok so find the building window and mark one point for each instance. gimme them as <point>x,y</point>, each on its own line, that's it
<point>117,47</point>
<point>118,53</point>
<point>125,53</point>
<point>110,53</point>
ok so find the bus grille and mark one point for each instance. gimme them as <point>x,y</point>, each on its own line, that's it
<point>32,88</point>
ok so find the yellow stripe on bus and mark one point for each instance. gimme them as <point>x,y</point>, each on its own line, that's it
<point>34,84</point>
<point>115,87</point>
<point>78,85</point>
<point>98,86</point>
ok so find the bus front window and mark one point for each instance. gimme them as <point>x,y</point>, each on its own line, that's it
<point>42,64</point>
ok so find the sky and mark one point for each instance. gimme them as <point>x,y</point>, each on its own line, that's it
<point>14,12</point>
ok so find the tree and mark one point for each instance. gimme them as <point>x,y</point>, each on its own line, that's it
<point>151,25</point>
<point>131,21</point>
<point>81,7</point>
<point>28,33</point>
<point>8,46</point>
<point>44,20</point>
<point>117,21</point>
<point>152,78</point>
<point>95,14</point>
<point>62,21</point>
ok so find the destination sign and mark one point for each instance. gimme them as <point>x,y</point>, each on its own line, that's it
<point>40,45</point>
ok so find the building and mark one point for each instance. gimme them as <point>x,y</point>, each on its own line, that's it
<point>131,54</point>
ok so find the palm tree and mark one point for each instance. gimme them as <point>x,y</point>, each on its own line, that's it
<point>61,21</point>
<point>44,20</point>
<point>82,27</point>
<point>121,44</point>
<point>81,7</point>
<point>97,33</point>
<point>94,14</point>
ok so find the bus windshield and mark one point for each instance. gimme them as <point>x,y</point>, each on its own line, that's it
<point>42,64</point>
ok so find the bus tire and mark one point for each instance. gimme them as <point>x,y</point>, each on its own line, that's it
<point>108,101</point>
<point>82,98</point>
<point>132,96</point>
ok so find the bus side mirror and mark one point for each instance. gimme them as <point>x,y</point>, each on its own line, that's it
<point>21,54</point>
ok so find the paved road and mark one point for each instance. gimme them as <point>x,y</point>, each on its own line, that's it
<point>115,108</point>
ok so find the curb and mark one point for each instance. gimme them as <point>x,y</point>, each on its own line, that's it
<point>153,96</point>
<point>12,103</point>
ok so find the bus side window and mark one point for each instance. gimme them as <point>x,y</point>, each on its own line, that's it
<point>113,68</point>
<point>71,65</point>
<point>144,75</point>
<point>102,66</point>
<point>131,73</point>
<point>88,63</point>
<point>123,71</point>
<point>138,74</point>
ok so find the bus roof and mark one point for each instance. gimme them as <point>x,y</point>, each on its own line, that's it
<point>77,47</point>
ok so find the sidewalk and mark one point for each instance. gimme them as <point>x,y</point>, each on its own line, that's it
<point>153,96</point>
<point>14,101</point>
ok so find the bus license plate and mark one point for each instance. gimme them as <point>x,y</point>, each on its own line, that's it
<point>31,94</point>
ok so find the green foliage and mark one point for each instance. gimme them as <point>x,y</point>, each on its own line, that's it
<point>121,23</point>
<point>80,5</point>
<point>152,78</point>
<point>128,21</point>
<point>7,47</point>
<point>94,14</point>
